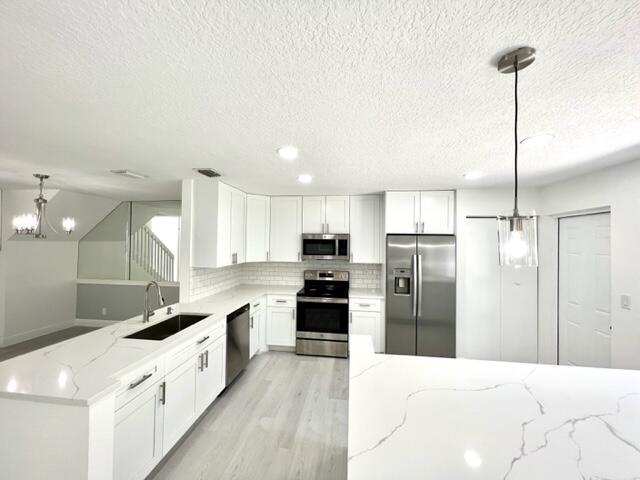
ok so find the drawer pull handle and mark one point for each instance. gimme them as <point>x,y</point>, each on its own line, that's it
<point>139,381</point>
<point>281,301</point>
<point>202,340</point>
<point>163,391</point>
<point>206,359</point>
<point>364,304</point>
<point>256,305</point>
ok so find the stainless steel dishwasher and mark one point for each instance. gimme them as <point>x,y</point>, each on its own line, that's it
<point>237,342</point>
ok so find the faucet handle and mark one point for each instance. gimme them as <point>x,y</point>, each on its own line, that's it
<point>169,310</point>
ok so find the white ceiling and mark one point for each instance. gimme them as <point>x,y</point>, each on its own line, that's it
<point>378,95</point>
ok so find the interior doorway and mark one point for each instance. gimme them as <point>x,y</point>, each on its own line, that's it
<point>584,290</point>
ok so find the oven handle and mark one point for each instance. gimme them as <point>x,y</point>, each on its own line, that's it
<point>344,301</point>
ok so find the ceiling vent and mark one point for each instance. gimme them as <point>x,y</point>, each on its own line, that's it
<point>130,174</point>
<point>207,172</point>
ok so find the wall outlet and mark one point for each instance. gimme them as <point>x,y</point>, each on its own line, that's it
<point>104,311</point>
<point>625,302</point>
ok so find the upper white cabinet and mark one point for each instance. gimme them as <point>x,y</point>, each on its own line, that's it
<point>366,233</point>
<point>328,214</point>
<point>420,212</point>
<point>257,228</point>
<point>217,224</point>
<point>286,229</point>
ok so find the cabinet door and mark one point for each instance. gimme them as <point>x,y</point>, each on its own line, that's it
<point>437,212</point>
<point>402,212</point>
<point>365,229</point>
<point>138,435</point>
<point>211,374</point>
<point>366,323</point>
<point>281,326</point>
<point>254,332</point>
<point>238,207</point>
<point>313,215</point>
<point>224,225</point>
<point>286,228</point>
<point>180,402</point>
<point>337,214</point>
<point>257,237</point>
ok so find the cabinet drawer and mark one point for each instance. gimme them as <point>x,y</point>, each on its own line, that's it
<point>281,301</point>
<point>137,382</point>
<point>257,304</point>
<point>364,304</point>
<point>188,349</point>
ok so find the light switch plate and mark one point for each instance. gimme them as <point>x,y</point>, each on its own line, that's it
<point>625,302</point>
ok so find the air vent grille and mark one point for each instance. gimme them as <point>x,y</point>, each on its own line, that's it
<point>207,172</point>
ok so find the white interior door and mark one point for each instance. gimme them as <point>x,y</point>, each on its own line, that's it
<point>584,291</point>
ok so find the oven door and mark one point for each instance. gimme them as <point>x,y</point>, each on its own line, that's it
<point>322,318</point>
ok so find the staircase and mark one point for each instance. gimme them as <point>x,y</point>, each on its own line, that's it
<point>151,255</point>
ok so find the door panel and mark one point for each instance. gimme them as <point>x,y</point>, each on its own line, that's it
<point>211,379</point>
<point>436,322</point>
<point>286,227</point>
<point>313,214</point>
<point>180,403</point>
<point>238,212</point>
<point>365,229</point>
<point>224,226</point>
<point>584,291</point>
<point>437,212</point>
<point>400,320</point>
<point>337,214</point>
<point>257,228</point>
<point>402,212</point>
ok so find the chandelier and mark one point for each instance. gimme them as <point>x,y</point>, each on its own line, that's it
<point>32,223</point>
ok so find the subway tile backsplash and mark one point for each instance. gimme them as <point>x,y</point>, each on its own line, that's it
<point>209,281</point>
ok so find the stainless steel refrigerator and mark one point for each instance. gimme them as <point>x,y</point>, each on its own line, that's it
<point>421,295</point>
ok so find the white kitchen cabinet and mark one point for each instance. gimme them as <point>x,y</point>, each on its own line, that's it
<point>256,325</point>
<point>328,214</point>
<point>257,236</point>
<point>238,226</point>
<point>217,224</point>
<point>313,214</point>
<point>180,402</point>
<point>286,229</point>
<point>210,377</point>
<point>437,212</point>
<point>281,326</point>
<point>366,323</point>
<point>365,229</point>
<point>402,212</point>
<point>138,435</point>
<point>431,212</point>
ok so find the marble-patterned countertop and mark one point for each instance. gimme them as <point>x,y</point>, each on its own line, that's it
<point>435,418</point>
<point>366,292</point>
<point>84,369</point>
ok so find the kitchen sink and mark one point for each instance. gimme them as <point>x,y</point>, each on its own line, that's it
<point>166,328</point>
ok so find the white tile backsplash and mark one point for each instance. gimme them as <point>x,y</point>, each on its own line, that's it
<point>209,281</point>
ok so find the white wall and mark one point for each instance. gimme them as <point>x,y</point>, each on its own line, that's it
<point>617,188</point>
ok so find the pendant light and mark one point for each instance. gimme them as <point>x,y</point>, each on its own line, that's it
<point>32,223</point>
<point>517,234</point>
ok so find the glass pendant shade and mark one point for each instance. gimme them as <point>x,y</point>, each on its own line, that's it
<point>518,241</point>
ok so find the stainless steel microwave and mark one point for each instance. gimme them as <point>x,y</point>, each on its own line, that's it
<point>325,246</point>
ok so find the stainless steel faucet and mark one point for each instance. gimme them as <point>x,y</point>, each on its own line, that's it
<point>147,310</point>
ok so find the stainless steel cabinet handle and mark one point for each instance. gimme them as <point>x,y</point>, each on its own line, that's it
<point>298,256</point>
<point>293,314</point>
<point>201,362</point>
<point>256,305</point>
<point>350,317</point>
<point>202,340</point>
<point>206,359</point>
<point>417,231</point>
<point>422,227</point>
<point>351,257</point>
<point>163,393</point>
<point>251,323</point>
<point>267,256</point>
<point>364,304</point>
<point>281,301</point>
<point>140,380</point>
<point>327,228</point>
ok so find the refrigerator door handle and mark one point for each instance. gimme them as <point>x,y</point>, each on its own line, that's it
<point>414,281</point>
<point>419,285</point>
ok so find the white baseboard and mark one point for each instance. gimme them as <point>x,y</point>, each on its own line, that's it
<point>94,322</point>
<point>37,332</point>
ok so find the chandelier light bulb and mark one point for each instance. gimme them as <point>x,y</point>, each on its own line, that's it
<point>68,224</point>
<point>25,223</point>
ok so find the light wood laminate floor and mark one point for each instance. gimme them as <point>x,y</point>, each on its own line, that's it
<point>284,418</point>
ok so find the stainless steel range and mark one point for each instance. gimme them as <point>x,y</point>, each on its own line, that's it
<point>322,326</point>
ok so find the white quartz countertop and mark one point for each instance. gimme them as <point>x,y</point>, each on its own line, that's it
<point>433,418</point>
<point>366,292</point>
<point>86,368</point>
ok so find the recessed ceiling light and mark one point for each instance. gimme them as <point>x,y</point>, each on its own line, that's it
<point>130,174</point>
<point>537,141</point>
<point>473,175</point>
<point>305,178</point>
<point>288,152</point>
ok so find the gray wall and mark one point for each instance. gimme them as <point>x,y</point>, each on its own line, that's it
<point>121,301</point>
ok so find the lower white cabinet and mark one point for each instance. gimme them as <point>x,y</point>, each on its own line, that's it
<point>210,377</point>
<point>138,435</point>
<point>281,326</point>
<point>180,403</point>
<point>365,318</point>
<point>256,327</point>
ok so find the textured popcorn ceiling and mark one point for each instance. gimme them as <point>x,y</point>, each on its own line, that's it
<point>378,95</point>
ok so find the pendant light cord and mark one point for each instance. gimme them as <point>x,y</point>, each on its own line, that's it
<point>515,136</point>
